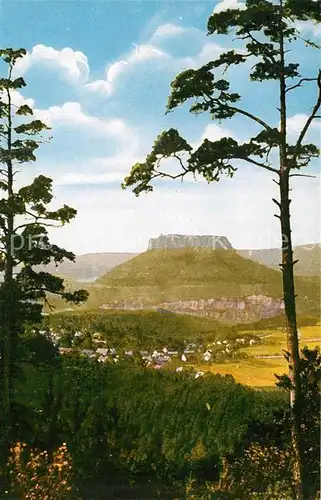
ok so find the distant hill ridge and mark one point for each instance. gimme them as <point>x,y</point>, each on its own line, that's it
<point>308,256</point>
<point>184,241</point>
<point>89,267</point>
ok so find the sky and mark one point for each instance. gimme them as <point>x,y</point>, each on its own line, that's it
<point>98,73</point>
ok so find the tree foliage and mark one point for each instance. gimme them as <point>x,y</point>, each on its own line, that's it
<point>29,205</point>
<point>207,89</point>
<point>310,373</point>
<point>25,216</point>
<point>124,418</point>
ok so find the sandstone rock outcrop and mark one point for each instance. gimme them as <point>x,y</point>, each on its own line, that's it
<point>225,309</point>
<point>183,241</point>
<point>229,310</point>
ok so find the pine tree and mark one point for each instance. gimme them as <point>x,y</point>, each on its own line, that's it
<point>25,216</point>
<point>267,30</point>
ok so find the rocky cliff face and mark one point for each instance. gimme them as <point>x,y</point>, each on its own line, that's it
<point>227,310</point>
<point>182,241</point>
<point>230,310</point>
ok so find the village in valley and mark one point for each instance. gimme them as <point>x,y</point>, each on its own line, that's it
<point>157,358</point>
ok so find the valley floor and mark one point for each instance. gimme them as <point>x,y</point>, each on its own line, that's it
<point>265,360</point>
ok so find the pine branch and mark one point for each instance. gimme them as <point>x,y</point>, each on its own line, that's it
<point>261,165</point>
<point>39,219</point>
<point>181,163</point>
<point>309,121</point>
<point>28,224</point>
<point>47,303</point>
<point>169,176</point>
<point>303,175</point>
<point>252,117</point>
<point>260,44</point>
<point>299,84</point>
<point>242,112</point>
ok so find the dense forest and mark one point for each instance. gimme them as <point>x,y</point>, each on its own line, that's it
<point>127,427</point>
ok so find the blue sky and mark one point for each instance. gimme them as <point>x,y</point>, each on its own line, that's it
<point>98,72</point>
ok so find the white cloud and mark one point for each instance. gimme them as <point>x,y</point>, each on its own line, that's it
<point>149,52</point>
<point>167,30</point>
<point>114,70</point>
<point>98,171</point>
<point>73,64</point>
<point>75,68</point>
<point>209,52</point>
<point>100,86</point>
<point>77,178</point>
<point>71,113</point>
<point>308,27</point>
<point>144,53</point>
<point>296,123</point>
<point>17,99</point>
<point>214,132</point>
<point>139,54</point>
<point>229,4</point>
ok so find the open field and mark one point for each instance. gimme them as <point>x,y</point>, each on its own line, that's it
<point>252,372</point>
<point>274,341</point>
<point>258,372</point>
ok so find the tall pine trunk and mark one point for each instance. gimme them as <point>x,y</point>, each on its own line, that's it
<point>288,283</point>
<point>292,335</point>
<point>8,301</point>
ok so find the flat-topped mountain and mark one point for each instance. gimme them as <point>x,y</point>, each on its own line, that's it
<point>169,241</point>
<point>201,281</point>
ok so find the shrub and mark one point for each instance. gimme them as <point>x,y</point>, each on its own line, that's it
<point>36,475</point>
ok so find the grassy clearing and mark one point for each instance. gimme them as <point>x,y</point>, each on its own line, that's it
<point>253,372</point>
<point>261,372</point>
<point>275,341</point>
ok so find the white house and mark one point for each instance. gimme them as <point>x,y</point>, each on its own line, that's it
<point>207,356</point>
<point>101,351</point>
